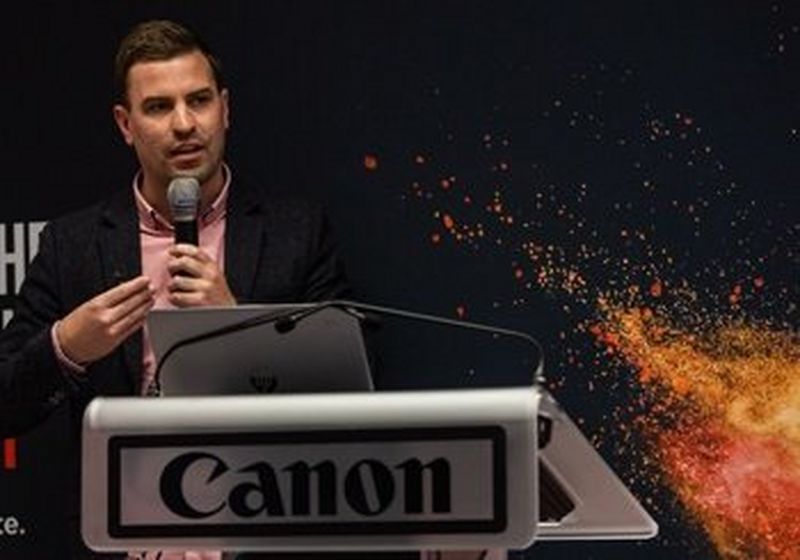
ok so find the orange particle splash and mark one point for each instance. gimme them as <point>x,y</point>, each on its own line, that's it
<point>724,423</point>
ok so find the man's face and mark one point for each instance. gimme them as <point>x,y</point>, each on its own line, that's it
<point>176,119</point>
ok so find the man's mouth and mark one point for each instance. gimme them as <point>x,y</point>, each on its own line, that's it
<point>186,153</point>
<point>185,149</point>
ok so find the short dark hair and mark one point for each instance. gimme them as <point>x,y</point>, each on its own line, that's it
<point>157,40</point>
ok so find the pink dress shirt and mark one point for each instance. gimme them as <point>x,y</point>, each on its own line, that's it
<point>156,236</point>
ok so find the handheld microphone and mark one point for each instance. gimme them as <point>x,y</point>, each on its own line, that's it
<point>183,196</point>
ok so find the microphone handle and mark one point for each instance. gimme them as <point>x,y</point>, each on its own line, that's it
<point>186,232</point>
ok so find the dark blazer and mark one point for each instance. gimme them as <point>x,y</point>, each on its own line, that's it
<point>278,248</point>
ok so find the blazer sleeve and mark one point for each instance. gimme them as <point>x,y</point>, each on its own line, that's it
<point>32,383</point>
<point>325,277</point>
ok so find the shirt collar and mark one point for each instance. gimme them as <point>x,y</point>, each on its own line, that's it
<point>151,220</point>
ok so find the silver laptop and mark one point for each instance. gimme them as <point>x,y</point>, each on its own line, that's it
<point>324,352</point>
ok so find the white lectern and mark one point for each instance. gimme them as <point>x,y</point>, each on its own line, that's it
<point>489,468</point>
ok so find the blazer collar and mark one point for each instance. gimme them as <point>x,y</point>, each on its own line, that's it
<point>244,232</point>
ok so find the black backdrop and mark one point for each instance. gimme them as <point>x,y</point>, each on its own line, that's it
<point>517,163</point>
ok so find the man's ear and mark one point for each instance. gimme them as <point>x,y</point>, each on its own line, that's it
<point>225,96</point>
<point>122,117</point>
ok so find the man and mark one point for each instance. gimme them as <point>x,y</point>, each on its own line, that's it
<point>77,330</point>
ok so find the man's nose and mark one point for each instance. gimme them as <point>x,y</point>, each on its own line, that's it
<point>183,121</point>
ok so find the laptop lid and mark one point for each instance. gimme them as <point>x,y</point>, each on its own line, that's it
<point>323,353</point>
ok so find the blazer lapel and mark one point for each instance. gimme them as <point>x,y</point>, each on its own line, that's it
<point>244,229</point>
<point>120,252</point>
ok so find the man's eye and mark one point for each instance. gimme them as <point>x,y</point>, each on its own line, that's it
<point>154,108</point>
<point>199,100</point>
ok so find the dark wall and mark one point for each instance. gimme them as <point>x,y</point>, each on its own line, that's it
<point>556,167</point>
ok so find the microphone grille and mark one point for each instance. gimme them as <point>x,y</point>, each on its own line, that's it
<point>183,195</point>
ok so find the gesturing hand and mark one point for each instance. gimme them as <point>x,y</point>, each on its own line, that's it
<point>196,279</point>
<point>95,328</point>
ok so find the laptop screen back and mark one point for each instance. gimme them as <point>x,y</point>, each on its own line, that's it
<point>323,353</point>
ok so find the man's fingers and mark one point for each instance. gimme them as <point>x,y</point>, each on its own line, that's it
<point>131,322</point>
<point>180,283</point>
<point>125,307</point>
<point>191,251</point>
<point>123,291</point>
<point>186,266</point>
<point>187,299</point>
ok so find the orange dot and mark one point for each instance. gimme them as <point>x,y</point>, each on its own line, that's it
<point>370,162</point>
<point>680,385</point>
<point>448,221</point>
<point>656,289</point>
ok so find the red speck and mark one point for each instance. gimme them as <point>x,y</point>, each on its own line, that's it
<point>445,184</point>
<point>735,295</point>
<point>436,238</point>
<point>656,289</point>
<point>688,121</point>
<point>461,311</point>
<point>10,454</point>
<point>419,159</point>
<point>467,199</point>
<point>519,273</point>
<point>448,222</point>
<point>370,162</point>
<point>758,282</point>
